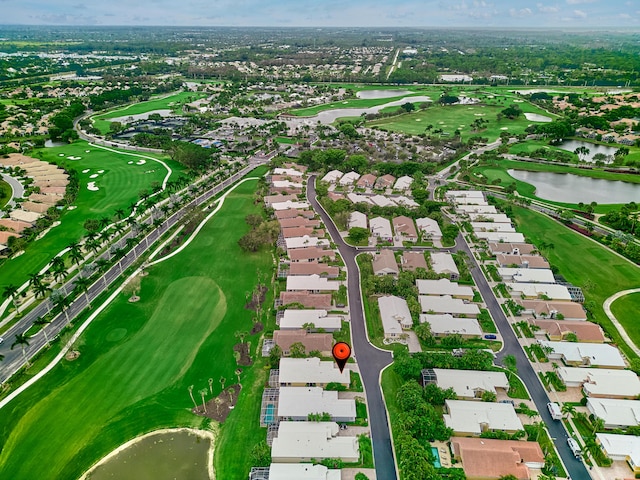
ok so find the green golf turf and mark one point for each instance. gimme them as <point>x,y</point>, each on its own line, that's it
<point>119,186</point>
<point>138,360</point>
<point>628,308</point>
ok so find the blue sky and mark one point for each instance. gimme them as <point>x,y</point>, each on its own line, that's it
<point>356,13</point>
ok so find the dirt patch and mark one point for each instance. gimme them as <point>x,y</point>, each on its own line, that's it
<point>72,355</point>
<point>218,408</point>
<point>243,350</point>
<point>257,327</point>
<point>257,298</point>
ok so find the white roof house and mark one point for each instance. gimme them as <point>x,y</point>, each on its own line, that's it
<point>468,417</point>
<point>621,448</point>
<point>535,290</point>
<point>403,183</point>
<point>349,178</point>
<point>289,205</point>
<point>295,319</point>
<point>601,382</point>
<point>587,354</point>
<point>382,201</point>
<point>305,241</point>
<point>302,471</point>
<point>470,383</point>
<point>615,413</point>
<point>312,283</point>
<point>332,177</point>
<point>296,403</point>
<point>357,198</point>
<point>470,201</point>
<point>290,172</point>
<point>429,227</point>
<point>456,194</point>
<point>476,209</point>
<point>381,227</point>
<point>527,275</point>
<point>444,286</point>
<point>395,315</point>
<point>492,227</point>
<point>442,325</point>
<point>285,184</point>
<point>447,304</point>
<point>358,219</point>
<point>506,237</point>
<point>406,201</point>
<point>303,441</point>
<point>442,262</point>
<point>310,372</point>
<point>489,217</point>
<point>24,216</point>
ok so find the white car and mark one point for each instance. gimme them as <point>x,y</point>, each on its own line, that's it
<point>1,340</point>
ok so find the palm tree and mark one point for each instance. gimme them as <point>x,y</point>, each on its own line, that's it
<point>82,284</point>
<point>35,279</point>
<point>190,388</point>
<point>23,341</point>
<point>75,253</point>
<point>222,381</point>
<point>105,235</point>
<point>203,392</point>
<point>59,299</point>
<point>568,409</point>
<point>93,244</point>
<point>241,335</point>
<point>43,321</point>
<point>218,402</point>
<point>41,290</point>
<point>11,291</point>
<point>104,221</point>
<point>598,425</point>
<point>120,213</point>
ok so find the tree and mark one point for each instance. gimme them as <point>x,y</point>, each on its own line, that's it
<point>274,356</point>
<point>408,107</point>
<point>488,396</point>
<point>241,335</point>
<point>82,284</point>
<point>11,291</point>
<point>203,392</point>
<point>568,409</point>
<point>75,253</point>
<point>261,454</point>
<point>358,234</point>
<point>22,340</point>
<point>297,350</point>
<point>59,299</point>
<point>43,321</point>
<point>190,388</point>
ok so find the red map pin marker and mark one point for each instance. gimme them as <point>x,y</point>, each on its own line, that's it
<point>341,352</point>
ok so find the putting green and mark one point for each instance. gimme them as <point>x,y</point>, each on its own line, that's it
<point>138,368</point>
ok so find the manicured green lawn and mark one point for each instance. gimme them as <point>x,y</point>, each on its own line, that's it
<point>172,102</point>
<point>628,307</point>
<point>5,193</point>
<point>585,264</point>
<point>139,359</point>
<point>349,103</point>
<point>459,117</point>
<point>119,186</point>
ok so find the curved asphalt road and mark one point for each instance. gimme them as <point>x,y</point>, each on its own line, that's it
<point>17,190</point>
<point>371,360</point>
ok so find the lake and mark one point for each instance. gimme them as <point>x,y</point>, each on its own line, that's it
<point>571,145</point>
<point>570,188</point>
<point>163,455</point>
<point>372,94</point>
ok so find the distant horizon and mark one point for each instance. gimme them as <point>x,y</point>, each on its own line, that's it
<point>502,14</point>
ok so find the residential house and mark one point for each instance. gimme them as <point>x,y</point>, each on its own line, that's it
<point>312,283</point>
<point>614,412</point>
<point>314,268</point>
<point>492,227</point>
<point>558,330</point>
<point>290,205</point>
<point>469,384</point>
<point>625,448</point>
<point>601,382</point>
<point>311,372</point>
<point>446,324</point>
<point>455,195</point>
<point>511,237</point>
<point>511,248</point>
<point>269,200</point>
<point>332,177</point>
<point>403,184</point>
<point>468,418</point>
<point>429,228</point>
<point>447,304</point>
<point>482,209</point>
<point>367,180</point>
<point>298,222</point>
<point>491,459</point>
<point>297,403</point>
<point>305,241</point>
<point>395,316</point>
<point>410,261</point>
<point>382,201</point>
<point>306,299</point>
<point>558,310</point>
<point>443,263</point>
<point>294,232</point>
<point>584,354</point>
<point>521,261</point>
<point>381,228</point>
<point>444,286</point>
<point>294,213</point>
<point>357,198</point>
<point>24,216</point>
<point>384,263</point>
<point>406,201</point>
<point>357,219</point>
<point>295,471</point>
<point>385,181</point>
<point>320,342</point>
<point>489,217</point>
<point>349,179</point>
<point>307,441</point>
<point>405,229</point>
<point>538,290</point>
<point>295,319</point>
<point>526,275</point>
<point>310,254</point>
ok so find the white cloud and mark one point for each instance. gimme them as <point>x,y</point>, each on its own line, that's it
<point>547,8</point>
<point>580,13</point>
<point>523,12</point>
<point>624,15</point>
<point>579,2</point>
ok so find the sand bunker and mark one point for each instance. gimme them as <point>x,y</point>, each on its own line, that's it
<point>92,186</point>
<point>141,162</point>
<point>518,101</point>
<point>504,128</point>
<point>61,154</point>
<point>87,151</point>
<point>100,171</point>
<point>418,119</point>
<point>130,163</point>
<point>87,170</point>
<point>95,175</point>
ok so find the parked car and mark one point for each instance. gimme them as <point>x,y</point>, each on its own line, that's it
<point>490,336</point>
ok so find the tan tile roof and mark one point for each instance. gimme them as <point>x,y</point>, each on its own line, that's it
<point>384,259</point>
<point>310,253</point>
<point>308,300</point>
<point>293,212</point>
<point>534,261</point>
<point>525,248</point>
<point>310,268</point>
<point>35,207</point>
<point>488,458</point>
<point>405,226</point>
<point>298,232</point>
<point>322,342</point>
<point>298,222</point>
<point>569,310</point>
<point>585,331</point>
<point>4,237</point>
<point>413,260</point>
<point>14,225</point>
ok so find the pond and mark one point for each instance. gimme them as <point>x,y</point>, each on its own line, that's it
<point>162,455</point>
<point>571,145</point>
<point>141,116</point>
<point>327,117</point>
<point>372,94</point>
<point>570,188</point>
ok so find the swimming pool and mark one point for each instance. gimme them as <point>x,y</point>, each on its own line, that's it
<point>436,455</point>
<point>269,413</point>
